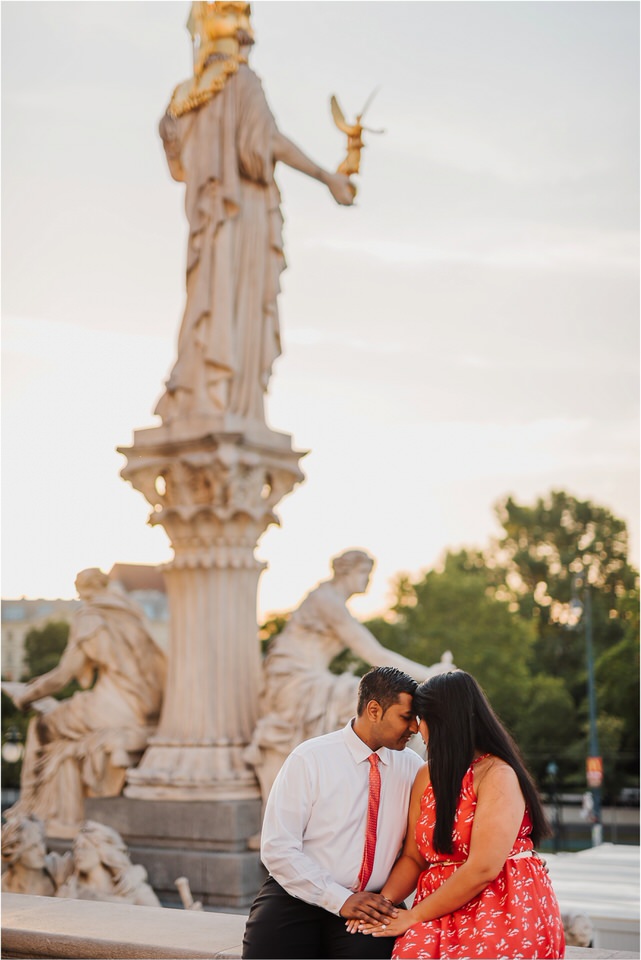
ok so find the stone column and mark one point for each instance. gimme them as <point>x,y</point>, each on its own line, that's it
<point>214,494</point>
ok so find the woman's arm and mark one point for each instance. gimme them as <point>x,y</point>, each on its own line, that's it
<point>407,869</point>
<point>498,816</point>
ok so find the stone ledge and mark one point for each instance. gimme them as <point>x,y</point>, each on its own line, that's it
<point>48,927</point>
<point>45,927</point>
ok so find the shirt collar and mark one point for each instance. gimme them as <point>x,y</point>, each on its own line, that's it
<point>359,750</point>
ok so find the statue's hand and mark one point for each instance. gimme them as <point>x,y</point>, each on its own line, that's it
<point>22,702</point>
<point>445,664</point>
<point>341,188</point>
<point>17,692</point>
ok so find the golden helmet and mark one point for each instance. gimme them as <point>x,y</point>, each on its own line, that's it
<point>210,22</point>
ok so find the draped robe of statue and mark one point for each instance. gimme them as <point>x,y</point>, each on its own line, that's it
<point>302,698</point>
<point>229,336</point>
<point>82,746</point>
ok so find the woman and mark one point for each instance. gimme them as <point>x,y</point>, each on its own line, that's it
<point>474,819</point>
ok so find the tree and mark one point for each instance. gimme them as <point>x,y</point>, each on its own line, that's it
<point>617,679</point>
<point>270,628</point>
<point>543,548</point>
<point>43,647</point>
<point>546,725</point>
<point>455,608</point>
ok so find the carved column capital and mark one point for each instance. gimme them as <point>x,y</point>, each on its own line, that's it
<point>212,495</point>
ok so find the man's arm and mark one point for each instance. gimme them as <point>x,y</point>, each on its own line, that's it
<point>288,809</point>
<point>338,184</point>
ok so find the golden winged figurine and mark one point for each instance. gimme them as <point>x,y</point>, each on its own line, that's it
<point>352,161</point>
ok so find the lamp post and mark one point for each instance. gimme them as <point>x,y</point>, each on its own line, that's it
<point>12,748</point>
<point>594,765</point>
<point>552,771</point>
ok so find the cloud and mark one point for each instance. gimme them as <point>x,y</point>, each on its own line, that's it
<point>315,337</point>
<point>552,249</point>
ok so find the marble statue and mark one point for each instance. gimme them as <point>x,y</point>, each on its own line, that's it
<point>83,746</point>
<point>27,867</point>
<point>184,890</point>
<point>578,929</point>
<point>221,140</point>
<point>301,697</point>
<point>102,869</point>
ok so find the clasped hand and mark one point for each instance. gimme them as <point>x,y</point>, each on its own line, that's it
<point>369,908</point>
<point>394,927</point>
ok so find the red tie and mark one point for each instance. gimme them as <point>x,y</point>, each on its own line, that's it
<point>372,819</point>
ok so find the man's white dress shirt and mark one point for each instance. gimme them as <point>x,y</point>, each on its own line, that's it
<point>314,828</point>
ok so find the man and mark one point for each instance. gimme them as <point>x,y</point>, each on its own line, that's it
<point>334,824</point>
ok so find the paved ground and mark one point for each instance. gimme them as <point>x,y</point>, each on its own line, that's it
<point>602,882</point>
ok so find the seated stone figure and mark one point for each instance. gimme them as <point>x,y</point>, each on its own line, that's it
<point>27,867</point>
<point>102,869</point>
<point>83,746</point>
<point>302,698</point>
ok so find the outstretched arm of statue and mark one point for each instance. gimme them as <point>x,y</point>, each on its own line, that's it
<point>70,665</point>
<point>339,185</point>
<point>365,645</point>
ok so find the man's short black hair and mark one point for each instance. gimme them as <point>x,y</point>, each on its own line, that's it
<point>385,685</point>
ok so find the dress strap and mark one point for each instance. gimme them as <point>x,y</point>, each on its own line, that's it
<point>483,756</point>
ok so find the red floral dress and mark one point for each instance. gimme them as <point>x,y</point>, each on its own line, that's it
<point>516,915</point>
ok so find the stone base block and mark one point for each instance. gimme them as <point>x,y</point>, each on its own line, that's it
<point>205,841</point>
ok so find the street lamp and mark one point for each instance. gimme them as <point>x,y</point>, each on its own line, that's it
<point>552,771</point>
<point>594,764</point>
<point>12,748</point>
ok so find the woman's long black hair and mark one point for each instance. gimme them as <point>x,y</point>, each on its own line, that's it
<point>461,721</point>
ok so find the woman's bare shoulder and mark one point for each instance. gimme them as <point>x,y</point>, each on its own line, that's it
<point>492,771</point>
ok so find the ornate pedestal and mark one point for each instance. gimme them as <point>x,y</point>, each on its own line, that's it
<point>192,803</point>
<point>214,492</point>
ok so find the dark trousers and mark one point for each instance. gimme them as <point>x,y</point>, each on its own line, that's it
<point>281,927</point>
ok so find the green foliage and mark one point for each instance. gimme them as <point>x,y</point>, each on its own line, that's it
<point>546,724</point>
<point>347,661</point>
<point>43,648</point>
<point>558,535</point>
<point>270,628</point>
<point>543,548</point>
<point>617,679</point>
<point>455,609</point>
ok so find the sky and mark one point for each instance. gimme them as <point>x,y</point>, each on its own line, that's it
<point>468,330</point>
